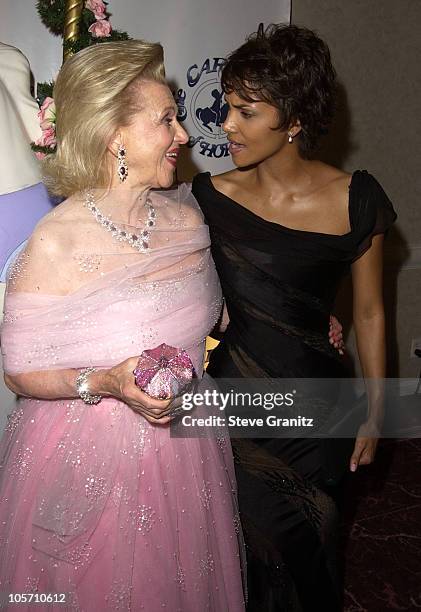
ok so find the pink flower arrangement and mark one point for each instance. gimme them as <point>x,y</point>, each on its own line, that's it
<point>47,119</point>
<point>97,7</point>
<point>100,29</point>
<point>49,137</point>
<point>47,114</point>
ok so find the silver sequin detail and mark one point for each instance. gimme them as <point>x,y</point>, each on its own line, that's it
<point>180,221</point>
<point>205,495</point>
<point>180,579</point>
<point>22,463</point>
<point>95,488</point>
<point>88,262</point>
<point>120,494</point>
<point>31,585</point>
<point>80,555</point>
<point>18,269</point>
<point>143,518</point>
<point>120,595</point>
<point>13,420</point>
<point>140,438</point>
<point>221,441</point>
<point>237,523</point>
<point>206,565</point>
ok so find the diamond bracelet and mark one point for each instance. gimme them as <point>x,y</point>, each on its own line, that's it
<point>82,387</point>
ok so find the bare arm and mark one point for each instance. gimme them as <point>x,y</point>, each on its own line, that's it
<point>115,382</point>
<point>369,323</point>
<point>50,384</point>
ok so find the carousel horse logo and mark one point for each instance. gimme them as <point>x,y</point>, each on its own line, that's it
<point>202,104</point>
<point>215,114</point>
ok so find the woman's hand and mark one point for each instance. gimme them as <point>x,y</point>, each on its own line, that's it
<point>365,447</point>
<point>119,382</point>
<point>335,335</point>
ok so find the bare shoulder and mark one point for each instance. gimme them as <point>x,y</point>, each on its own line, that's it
<point>324,196</point>
<point>54,233</point>
<point>224,179</point>
<point>230,182</point>
<point>330,179</point>
<point>46,258</point>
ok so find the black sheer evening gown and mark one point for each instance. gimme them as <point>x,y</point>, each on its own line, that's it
<point>280,285</point>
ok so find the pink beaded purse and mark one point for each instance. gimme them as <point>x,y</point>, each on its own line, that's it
<point>164,372</point>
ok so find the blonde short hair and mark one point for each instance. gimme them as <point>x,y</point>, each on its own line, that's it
<point>95,93</point>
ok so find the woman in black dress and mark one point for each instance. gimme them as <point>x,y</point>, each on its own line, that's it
<point>285,230</point>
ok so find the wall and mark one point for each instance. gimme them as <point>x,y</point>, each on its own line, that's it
<point>376,49</point>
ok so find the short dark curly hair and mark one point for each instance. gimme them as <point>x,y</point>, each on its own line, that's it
<point>290,68</point>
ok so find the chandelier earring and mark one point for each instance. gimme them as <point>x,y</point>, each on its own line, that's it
<point>122,169</point>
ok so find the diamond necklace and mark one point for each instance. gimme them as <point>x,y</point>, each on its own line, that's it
<point>139,242</point>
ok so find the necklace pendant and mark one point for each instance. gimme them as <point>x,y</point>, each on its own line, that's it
<point>141,242</point>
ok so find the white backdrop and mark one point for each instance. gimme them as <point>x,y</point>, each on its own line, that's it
<point>195,34</point>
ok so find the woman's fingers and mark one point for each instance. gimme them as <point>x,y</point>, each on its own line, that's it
<point>355,457</point>
<point>154,421</point>
<point>160,421</point>
<point>335,335</point>
<point>156,406</point>
<point>364,452</point>
<point>174,407</point>
<point>369,451</point>
<point>156,413</point>
<point>123,386</point>
<point>334,324</point>
<point>134,396</point>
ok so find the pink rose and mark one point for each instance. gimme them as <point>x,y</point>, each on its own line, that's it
<point>97,7</point>
<point>47,103</point>
<point>47,113</point>
<point>49,137</point>
<point>100,29</point>
<point>46,124</point>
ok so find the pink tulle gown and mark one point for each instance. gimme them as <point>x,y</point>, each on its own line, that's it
<point>95,502</point>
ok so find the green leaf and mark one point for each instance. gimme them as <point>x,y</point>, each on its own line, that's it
<point>44,90</point>
<point>52,13</point>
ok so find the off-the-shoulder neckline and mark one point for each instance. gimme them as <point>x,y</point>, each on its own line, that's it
<point>247,212</point>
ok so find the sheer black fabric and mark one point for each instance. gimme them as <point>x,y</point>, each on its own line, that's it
<point>280,285</point>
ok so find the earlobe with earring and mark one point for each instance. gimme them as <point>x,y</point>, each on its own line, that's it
<point>122,169</point>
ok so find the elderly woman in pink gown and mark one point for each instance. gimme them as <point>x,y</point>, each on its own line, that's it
<point>97,501</point>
